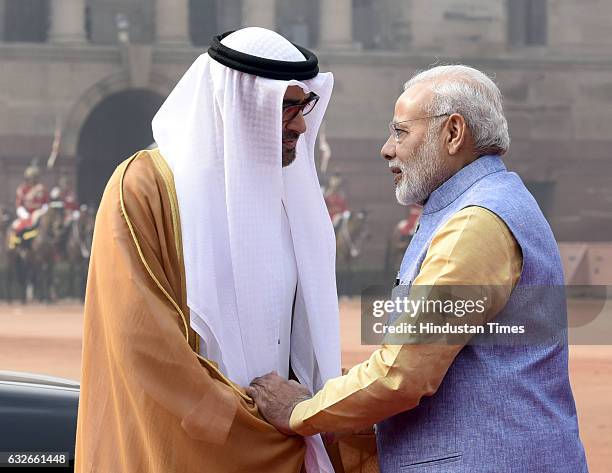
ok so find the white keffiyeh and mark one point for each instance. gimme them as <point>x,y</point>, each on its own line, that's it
<point>220,131</point>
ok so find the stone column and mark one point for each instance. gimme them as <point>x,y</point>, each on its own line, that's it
<point>336,24</point>
<point>259,13</point>
<point>2,16</point>
<point>67,21</point>
<point>172,22</point>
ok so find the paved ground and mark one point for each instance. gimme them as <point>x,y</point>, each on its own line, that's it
<point>48,340</point>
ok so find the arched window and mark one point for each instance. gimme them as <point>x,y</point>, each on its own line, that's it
<point>527,22</point>
<point>26,21</point>
<point>210,17</point>
<point>202,21</point>
<point>104,17</point>
<point>367,29</point>
<point>298,21</point>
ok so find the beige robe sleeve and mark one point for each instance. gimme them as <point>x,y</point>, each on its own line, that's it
<point>474,247</point>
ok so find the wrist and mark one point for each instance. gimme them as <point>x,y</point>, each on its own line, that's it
<point>297,400</point>
<point>295,423</point>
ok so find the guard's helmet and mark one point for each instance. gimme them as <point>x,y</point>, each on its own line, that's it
<point>335,181</point>
<point>32,172</point>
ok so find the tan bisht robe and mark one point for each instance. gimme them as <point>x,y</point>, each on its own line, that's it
<point>148,403</point>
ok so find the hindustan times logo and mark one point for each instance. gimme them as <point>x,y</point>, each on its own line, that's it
<point>447,328</point>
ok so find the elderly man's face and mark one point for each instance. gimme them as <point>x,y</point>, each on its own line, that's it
<point>416,159</point>
<point>293,128</point>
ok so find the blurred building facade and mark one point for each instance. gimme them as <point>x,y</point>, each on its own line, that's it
<point>98,70</point>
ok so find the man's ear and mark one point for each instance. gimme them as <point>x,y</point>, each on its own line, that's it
<point>456,130</point>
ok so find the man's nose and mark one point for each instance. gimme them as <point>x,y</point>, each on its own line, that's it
<point>388,150</point>
<point>297,124</point>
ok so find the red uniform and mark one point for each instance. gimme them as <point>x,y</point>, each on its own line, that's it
<point>336,204</point>
<point>31,197</point>
<point>69,198</point>
<point>408,226</point>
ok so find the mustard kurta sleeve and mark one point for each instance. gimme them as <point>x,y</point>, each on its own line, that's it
<point>148,403</point>
<point>474,247</point>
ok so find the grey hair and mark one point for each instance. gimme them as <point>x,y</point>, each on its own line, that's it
<point>473,95</point>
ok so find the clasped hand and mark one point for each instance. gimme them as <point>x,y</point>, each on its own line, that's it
<point>276,397</point>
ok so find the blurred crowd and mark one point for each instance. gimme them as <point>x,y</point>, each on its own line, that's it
<point>46,241</point>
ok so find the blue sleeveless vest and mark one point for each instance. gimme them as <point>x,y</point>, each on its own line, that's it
<point>499,409</point>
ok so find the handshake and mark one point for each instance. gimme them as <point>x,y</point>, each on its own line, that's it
<point>276,398</point>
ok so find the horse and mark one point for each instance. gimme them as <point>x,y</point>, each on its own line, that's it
<point>77,250</point>
<point>396,247</point>
<point>44,252</point>
<point>15,255</point>
<point>351,234</point>
<point>400,238</point>
<point>31,256</point>
<point>5,222</point>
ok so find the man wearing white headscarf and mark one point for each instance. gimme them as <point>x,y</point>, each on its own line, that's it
<point>212,264</point>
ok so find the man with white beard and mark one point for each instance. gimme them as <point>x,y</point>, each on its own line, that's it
<point>493,405</point>
<point>421,172</point>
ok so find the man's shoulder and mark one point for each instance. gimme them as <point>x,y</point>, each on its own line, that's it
<point>137,173</point>
<point>134,182</point>
<point>144,175</point>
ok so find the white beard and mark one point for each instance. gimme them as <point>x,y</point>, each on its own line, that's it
<point>422,174</point>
